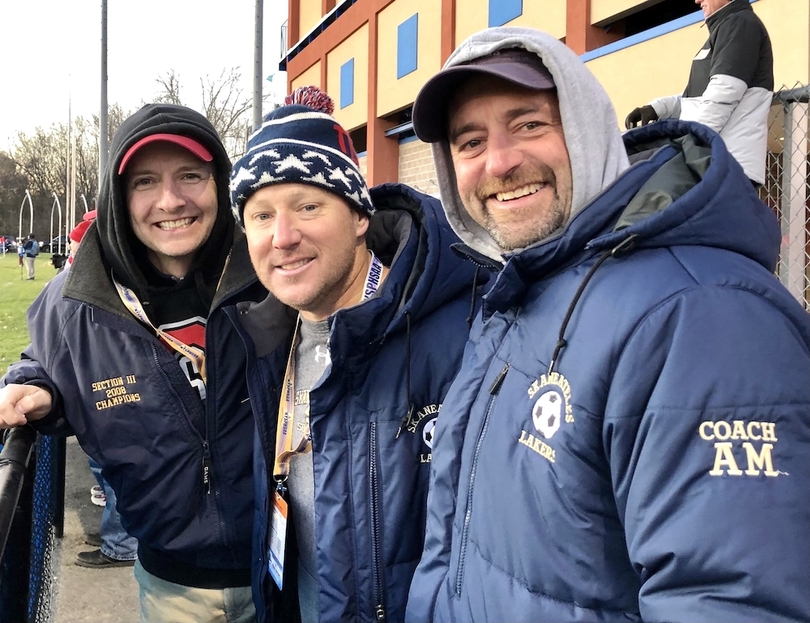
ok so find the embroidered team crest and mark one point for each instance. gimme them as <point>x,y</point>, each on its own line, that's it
<point>427,432</point>
<point>423,423</point>
<point>547,413</point>
<point>552,404</point>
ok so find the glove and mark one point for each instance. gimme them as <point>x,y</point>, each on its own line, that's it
<point>640,116</point>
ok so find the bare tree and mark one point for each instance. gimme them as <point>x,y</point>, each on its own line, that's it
<point>170,89</point>
<point>224,104</point>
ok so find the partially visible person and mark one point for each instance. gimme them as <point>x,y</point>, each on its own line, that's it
<point>114,546</point>
<point>628,438</point>
<point>77,233</point>
<point>132,352</point>
<point>730,85</point>
<point>30,252</point>
<point>350,360</point>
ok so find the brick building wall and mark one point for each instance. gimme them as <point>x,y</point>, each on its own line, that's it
<point>416,167</point>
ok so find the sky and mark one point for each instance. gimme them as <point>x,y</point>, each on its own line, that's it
<point>50,54</point>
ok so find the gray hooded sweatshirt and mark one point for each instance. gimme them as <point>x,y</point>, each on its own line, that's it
<point>589,123</point>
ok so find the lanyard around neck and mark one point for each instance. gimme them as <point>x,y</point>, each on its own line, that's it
<point>135,307</point>
<point>285,447</point>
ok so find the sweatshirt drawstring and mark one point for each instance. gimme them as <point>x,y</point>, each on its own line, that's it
<point>620,249</point>
<point>472,298</point>
<point>408,415</point>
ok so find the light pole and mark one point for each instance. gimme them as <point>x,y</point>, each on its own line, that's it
<point>257,66</point>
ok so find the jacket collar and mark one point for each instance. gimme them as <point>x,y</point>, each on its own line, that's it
<point>89,280</point>
<point>689,191</point>
<point>735,6</point>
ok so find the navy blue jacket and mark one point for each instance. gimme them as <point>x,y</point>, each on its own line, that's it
<point>396,352</point>
<point>133,410</point>
<point>629,436</point>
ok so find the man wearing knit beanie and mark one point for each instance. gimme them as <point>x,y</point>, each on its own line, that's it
<point>357,343</point>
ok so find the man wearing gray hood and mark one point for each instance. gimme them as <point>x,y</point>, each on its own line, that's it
<point>627,439</point>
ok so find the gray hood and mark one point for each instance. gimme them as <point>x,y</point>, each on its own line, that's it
<point>589,122</point>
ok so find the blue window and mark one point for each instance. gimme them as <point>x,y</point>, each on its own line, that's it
<point>502,11</point>
<point>347,83</point>
<point>407,37</point>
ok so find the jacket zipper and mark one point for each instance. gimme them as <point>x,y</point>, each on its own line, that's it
<point>379,584</point>
<point>206,467</point>
<point>206,462</point>
<point>493,391</point>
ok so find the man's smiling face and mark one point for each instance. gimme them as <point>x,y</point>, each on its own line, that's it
<point>172,201</point>
<point>510,159</point>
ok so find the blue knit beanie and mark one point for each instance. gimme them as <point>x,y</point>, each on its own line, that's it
<point>301,143</point>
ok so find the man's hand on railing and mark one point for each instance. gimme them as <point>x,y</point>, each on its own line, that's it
<point>20,404</point>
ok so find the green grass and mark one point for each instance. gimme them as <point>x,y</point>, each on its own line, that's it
<point>15,297</point>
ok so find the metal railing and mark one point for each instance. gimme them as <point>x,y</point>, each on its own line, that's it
<point>787,189</point>
<point>32,477</point>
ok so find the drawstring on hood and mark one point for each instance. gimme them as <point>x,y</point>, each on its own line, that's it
<point>409,414</point>
<point>625,246</point>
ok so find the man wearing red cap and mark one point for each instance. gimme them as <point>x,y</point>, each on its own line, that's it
<point>77,233</point>
<point>133,352</point>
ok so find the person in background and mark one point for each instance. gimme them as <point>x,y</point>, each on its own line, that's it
<point>627,438</point>
<point>350,358</point>
<point>30,252</point>
<point>730,85</point>
<point>132,352</point>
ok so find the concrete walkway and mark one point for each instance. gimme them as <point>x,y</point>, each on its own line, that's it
<point>87,595</point>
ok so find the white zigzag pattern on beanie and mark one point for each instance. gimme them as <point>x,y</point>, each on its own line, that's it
<point>267,178</point>
<point>243,174</point>
<point>291,161</point>
<point>270,153</point>
<point>340,174</point>
<point>316,154</point>
<point>319,179</point>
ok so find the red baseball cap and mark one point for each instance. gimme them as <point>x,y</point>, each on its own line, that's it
<point>195,147</point>
<point>78,232</point>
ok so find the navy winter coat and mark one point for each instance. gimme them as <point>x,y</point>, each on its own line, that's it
<point>124,395</point>
<point>396,352</point>
<point>629,436</point>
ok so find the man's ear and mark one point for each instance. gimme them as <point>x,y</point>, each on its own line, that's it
<point>361,223</point>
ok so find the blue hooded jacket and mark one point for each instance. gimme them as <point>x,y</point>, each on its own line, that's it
<point>371,415</point>
<point>181,467</point>
<point>627,439</point>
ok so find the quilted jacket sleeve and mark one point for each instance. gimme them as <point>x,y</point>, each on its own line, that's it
<point>708,438</point>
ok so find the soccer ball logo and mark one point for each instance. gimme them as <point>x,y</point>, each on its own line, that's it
<point>427,433</point>
<point>547,413</point>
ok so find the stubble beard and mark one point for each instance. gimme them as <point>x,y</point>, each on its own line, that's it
<point>506,235</point>
<point>333,284</point>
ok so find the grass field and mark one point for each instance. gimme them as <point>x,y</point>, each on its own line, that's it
<point>15,297</point>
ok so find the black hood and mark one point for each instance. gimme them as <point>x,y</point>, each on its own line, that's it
<point>122,251</point>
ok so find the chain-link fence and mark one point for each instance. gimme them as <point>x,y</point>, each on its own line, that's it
<point>31,511</point>
<point>786,188</point>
